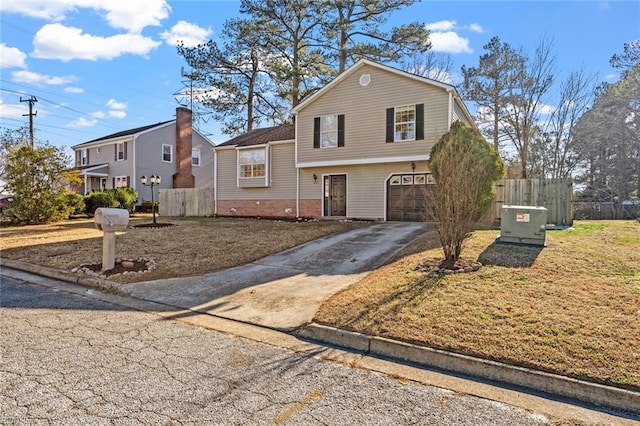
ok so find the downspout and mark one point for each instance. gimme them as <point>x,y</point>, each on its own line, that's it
<point>133,155</point>
<point>215,182</point>
<point>295,162</point>
<point>450,116</point>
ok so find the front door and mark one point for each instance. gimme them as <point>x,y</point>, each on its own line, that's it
<point>335,195</point>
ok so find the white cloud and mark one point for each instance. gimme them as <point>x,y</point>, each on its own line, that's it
<point>97,114</point>
<point>11,57</point>
<point>116,109</point>
<point>546,109</point>
<point>113,104</point>
<point>72,89</point>
<point>82,122</point>
<point>476,28</point>
<point>449,41</point>
<point>117,113</point>
<point>31,77</point>
<point>611,77</point>
<point>12,110</point>
<point>187,33</point>
<point>56,41</point>
<point>132,16</point>
<point>441,26</point>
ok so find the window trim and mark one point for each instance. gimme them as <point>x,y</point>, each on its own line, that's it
<point>391,123</point>
<point>120,151</point>
<point>120,179</point>
<point>170,160</point>
<point>199,157</point>
<point>84,157</point>
<point>240,151</point>
<point>396,123</point>
<point>333,131</point>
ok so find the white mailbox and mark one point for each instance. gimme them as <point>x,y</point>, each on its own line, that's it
<point>111,220</point>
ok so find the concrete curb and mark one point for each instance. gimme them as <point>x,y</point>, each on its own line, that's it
<point>94,282</point>
<point>592,393</point>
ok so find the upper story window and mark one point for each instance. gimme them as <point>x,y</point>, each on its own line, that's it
<point>121,151</point>
<point>252,163</point>
<point>328,131</point>
<point>195,157</point>
<point>84,157</point>
<point>405,123</point>
<point>167,153</point>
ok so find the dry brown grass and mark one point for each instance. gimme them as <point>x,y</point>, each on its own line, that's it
<point>572,308</point>
<point>193,246</point>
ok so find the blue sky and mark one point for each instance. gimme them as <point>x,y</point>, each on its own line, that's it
<point>99,67</point>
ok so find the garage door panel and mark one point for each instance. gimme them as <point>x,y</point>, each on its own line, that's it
<point>407,201</point>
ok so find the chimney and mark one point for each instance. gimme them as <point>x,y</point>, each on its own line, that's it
<point>183,178</point>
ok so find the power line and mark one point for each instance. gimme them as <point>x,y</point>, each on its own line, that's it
<point>31,100</point>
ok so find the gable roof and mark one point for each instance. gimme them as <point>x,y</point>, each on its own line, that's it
<point>363,62</point>
<point>263,136</point>
<point>125,133</point>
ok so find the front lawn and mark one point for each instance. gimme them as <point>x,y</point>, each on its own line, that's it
<point>194,246</point>
<point>571,308</point>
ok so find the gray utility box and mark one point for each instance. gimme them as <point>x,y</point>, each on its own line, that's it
<point>523,225</point>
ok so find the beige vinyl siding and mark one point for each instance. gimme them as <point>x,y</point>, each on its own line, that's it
<point>458,114</point>
<point>366,185</point>
<point>364,109</point>
<point>281,174</point>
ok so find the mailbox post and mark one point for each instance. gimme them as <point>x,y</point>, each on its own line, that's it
<point>109,221</point>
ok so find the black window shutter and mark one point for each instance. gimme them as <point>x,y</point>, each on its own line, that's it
<point>115,152</point>
<point>88,150</point>
<point>78,158</point>
<point>419,121</point>
<point>125,150</point>
<point>113,183</point>
<point>341,130</point>
<point>316,132</point>
<point>390,124</point>
<point>128,181</point>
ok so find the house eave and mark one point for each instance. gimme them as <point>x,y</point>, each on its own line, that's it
<point>362,161</point>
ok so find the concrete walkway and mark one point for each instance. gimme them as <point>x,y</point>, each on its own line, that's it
<point>284,291</point>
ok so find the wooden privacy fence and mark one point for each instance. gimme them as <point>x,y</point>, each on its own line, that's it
<point>186,202</point>
<point>554,194</point>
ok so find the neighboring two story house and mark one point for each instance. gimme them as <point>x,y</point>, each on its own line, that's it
<point>358,149</point>
<point>176,152</point>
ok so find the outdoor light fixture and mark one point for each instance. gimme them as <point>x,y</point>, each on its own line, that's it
<point>413,167</point>
<point>153,180</point>
<point>315,178</point>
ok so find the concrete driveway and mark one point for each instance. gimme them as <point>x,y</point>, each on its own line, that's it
<point>284,291</point>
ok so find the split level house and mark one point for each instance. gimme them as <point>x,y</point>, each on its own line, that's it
<point>173,150</point>
<point>358,149</point>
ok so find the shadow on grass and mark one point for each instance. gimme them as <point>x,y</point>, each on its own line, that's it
<point>406,295</point>
<point>510,255</point>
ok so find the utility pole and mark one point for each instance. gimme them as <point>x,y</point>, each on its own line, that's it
<point>31,99</point>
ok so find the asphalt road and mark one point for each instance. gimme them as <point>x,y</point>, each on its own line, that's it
<point>71,359</point>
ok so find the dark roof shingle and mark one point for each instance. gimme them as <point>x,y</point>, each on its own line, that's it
<point>263,135</point>
<point>126,132</point>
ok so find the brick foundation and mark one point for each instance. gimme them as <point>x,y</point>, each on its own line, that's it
<point>268,208</point>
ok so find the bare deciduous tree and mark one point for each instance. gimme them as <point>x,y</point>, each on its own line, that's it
<point>433,65</point>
